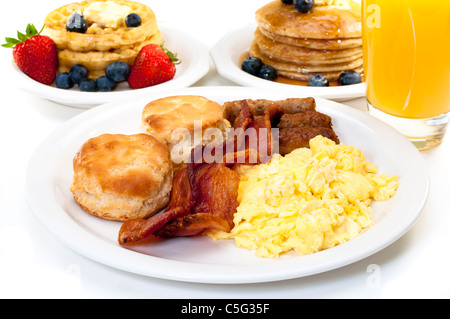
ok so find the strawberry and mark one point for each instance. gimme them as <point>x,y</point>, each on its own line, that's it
<point>153,65</point>
<point>36,55</point>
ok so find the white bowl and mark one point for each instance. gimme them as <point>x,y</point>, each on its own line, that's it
<point>227,53</point>
<point>194,65</point>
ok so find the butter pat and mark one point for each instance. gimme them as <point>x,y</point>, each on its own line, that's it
<point>109,14</point>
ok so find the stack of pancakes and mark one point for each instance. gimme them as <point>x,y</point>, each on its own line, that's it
<point>327,40</point>
<point>100,45</point>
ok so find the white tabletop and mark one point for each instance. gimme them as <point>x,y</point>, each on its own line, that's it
<point>34,264</point>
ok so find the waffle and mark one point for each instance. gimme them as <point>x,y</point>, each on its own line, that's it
<point>97,61</point>
<point>100,45</point>
<point>97,37</point>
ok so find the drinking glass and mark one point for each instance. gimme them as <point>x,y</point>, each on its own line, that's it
<point>407,66</point>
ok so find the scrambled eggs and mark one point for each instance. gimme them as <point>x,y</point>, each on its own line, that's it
<point>309,200</point>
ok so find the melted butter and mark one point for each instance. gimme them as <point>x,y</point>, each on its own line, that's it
<point>107,13</point>
<point>331,19</point>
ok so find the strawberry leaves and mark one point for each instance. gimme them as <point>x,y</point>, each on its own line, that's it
<point>36,55</point>
<point>173,57</point>
<point>30,31</point>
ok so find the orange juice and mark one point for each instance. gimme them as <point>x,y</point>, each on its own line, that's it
<point>407,56</point>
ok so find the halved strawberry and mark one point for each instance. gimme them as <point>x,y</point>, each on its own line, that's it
<point>36,55</point>
<point>153,65</point>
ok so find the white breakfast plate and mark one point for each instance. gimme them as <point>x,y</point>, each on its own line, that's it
<point>195,64</point>
<point>227,54</point>
<point>200,259</point>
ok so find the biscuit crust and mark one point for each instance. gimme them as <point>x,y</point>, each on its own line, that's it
<point>120,177</point>
<point>162,116</point>
<point>182,122</point>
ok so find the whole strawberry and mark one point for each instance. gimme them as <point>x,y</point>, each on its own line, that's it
<point>153,65</point>
<point>36,55</point>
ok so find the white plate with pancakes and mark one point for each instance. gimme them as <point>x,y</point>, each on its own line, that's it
<point>194,65</point>
<point>228,54</point>
<point>200,259</point>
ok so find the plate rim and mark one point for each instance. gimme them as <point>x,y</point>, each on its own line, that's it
<point>228,69</point>
<point>86,100</point>
<point>130,261</point>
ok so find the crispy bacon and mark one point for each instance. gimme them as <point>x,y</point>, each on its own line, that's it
<point>181,201</point>
<point>251,141</point>
<point>255,141</point>
<point>215,203</point>
<point>205,200</point>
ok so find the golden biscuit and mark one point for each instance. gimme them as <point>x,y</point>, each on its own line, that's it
<point>183,121</point>
<point>120,177</point>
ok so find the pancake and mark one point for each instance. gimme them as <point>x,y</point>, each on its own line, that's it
<point>287,67</point>
<point>325,41</point>
<point>322,22</point>
<point>305,72</point>
<point>318,44</point>
<point>293,54</point>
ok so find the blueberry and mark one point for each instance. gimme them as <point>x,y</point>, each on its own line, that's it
<point>287,1</point>
<point>133,20</point>
<point>104,84</point>
<point>252,65</point>
<point>63,81</point>
<point>117,71</point>
<point>76,23</point>
<point>349,77</point>
<point>87,85</point>
<point>268,72</point>
<point>303,6</point>
<point>77,73</point>
<point>318,80</point>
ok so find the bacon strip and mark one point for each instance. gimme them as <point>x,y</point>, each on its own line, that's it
<point>181,201</point>
<point>215,204</point>
<point>207,201</point>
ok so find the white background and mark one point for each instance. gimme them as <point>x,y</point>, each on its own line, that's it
<point>34,264</point>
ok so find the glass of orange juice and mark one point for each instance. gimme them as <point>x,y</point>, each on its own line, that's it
<point>407,66</point>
